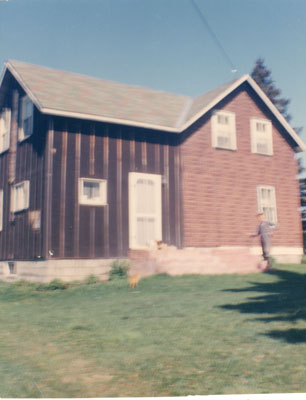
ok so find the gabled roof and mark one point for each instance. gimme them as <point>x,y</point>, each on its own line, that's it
<point>61,93</point>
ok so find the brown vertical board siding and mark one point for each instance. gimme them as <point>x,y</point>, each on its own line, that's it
<point>47,208</point>
<point>71,200</point>
<point>85,236</point>
<point>63,181</point>
<point>112,195</point>
<point>99,232</point>
<point>92,231</point>
<point>34,200</point>
<point>144,158</point>
<point>119,203</point>
<point>77,169</point>
<point>56,193</point>
<point>178,203</point>
<point>151,158</point>
<point>132,149</point>
<point>92,141</point>
<point>172,199</point>
<point>85,150</point>
<point>38,173</point>
<point>125,195</point>
<point>138,150</point>
<point>165,195</point>
<point>98,151</point>
<point>106,208</point>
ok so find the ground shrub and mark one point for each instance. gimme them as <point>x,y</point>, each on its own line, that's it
<point>91,280</point>
<point>119,270</point>
<point>56,284</point>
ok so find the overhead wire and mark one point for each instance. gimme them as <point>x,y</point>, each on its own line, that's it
<point>214,36</point>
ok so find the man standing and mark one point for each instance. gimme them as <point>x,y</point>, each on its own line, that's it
<point>265,229</point>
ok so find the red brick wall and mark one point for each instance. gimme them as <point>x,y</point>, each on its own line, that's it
<point>219,186</point>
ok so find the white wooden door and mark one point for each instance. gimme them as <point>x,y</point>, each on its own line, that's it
<point>145,209</point>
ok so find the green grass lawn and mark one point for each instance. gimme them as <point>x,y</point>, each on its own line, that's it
<point>172,336</point>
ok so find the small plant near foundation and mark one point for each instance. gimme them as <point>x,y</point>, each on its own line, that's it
<point>56,284</point>
<point>91,280</point>
<point>119,269</point>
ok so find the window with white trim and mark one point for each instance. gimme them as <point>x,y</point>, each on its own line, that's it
<point>92,192</point>
<point>26,118</point>
<point>20,196</point>
<point>261,136</point>
<point>5,128</point>
<point>224,130</point>
<point>1,209</point>
<point>267,202</point>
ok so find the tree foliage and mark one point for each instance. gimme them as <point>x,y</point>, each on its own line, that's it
<point>262,76</point>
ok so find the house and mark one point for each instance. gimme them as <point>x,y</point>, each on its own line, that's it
<point>92,171</point>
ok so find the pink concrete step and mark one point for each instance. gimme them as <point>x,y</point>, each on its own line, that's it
<point>194,261</point>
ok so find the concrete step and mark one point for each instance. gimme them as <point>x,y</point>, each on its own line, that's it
<point>194,261</point>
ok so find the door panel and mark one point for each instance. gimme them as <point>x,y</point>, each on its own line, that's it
<point>145,223</point>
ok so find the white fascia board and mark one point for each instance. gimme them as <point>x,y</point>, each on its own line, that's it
<point>3,74</point>
<point>277,114</point>
<point>23,85</point>
<point>92,117</point>
<point>215,101</point>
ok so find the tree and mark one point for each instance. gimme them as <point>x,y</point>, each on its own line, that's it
<point>262,76</point>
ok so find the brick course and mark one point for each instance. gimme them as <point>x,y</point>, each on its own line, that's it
<point>219,186</point>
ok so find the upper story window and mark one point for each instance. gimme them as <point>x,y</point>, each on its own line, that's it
<point>261,136</point>
<point>26,118</point>
<point>224,130</point>
<point>5,128</point>
<point>20,196</point>
<point>92,192</point>
<point>267,202</point>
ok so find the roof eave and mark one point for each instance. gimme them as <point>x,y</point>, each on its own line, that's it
<point>215,101</point>
<point>92,117</point>
<point>19,79</point>
<point>300,144</point>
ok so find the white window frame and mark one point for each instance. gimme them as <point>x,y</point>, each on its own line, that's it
<point>217,127</point>
<point>266,204</point>
<point>98,201</point>
<point>264,135</point>
<point>157,179</point>
<point>5,129</point>
<point>1,209</point>
<point>26,112</point>
<point>20,204</point>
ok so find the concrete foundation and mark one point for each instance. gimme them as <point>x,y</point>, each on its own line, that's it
<point>46,271</point>
<point>169,260</point>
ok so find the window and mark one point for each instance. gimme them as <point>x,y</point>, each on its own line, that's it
<point>145,216</point>
<point>5,127</point>
<point>20,196</point>
<point>261,136</point>
<point>224,130</point>
<point>92,192</point>
<point>26,118</point>
<point>267,202</point>
<point>1,209</point>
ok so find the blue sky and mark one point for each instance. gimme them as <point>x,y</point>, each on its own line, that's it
<point>162,44</point>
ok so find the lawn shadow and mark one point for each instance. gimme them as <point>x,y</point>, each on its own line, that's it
<point>281,299</point>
